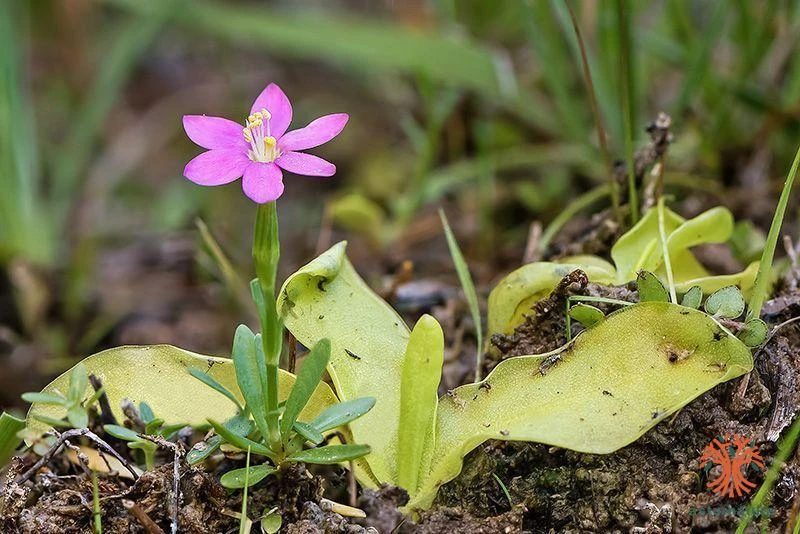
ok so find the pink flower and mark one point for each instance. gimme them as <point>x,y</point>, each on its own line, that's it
<point>261,149</point>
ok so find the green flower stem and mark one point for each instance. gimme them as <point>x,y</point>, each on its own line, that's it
<point>765,266</point>
<point>266,254</point>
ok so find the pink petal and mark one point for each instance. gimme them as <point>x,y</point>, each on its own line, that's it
<point>300,163</point>
<point>217,167</point>
<point>262,182</point>
<point>317,132</point>
<point>275,101</point>
<point>214,132</point>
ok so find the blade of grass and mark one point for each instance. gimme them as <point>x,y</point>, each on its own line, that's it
<point>130,42</point>
<point>547,42</point>
<point>627,92</point>
<point>573,208</point>
<point>96,512</point>
<point>761,286</point>
<point>469,290</point>
<point>598,118</point>
<point>25,230</point>
<point>244,521</point>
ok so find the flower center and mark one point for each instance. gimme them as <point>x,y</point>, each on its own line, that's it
<point>263,147</point>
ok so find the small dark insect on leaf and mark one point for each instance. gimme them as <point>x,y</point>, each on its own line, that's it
<point>650,288</point>
<point>352,355</point>
<point>320,284</point>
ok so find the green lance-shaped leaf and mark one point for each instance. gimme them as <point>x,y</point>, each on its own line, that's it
<point>754,332</point>
<point>327,299</point>
<point>9,427</point>
<point>422,370</point>
<point>204,377</point>
<point>154,373</point>
<point>693,297</point>
<point>586,315</point>
<point>250,374</point>
<point>248,476</point>
<point>468,286</point>
<point>121,432</point>
<point>308,432</point>
<point>78,382</point>
<point>342,413</point>
<point>332,454</point>
<point>307,379</point>
<point>595,397</point>
<point>650,288</point>
<point>727,302</point>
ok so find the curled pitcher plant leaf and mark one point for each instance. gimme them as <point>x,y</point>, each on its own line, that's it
<point>638,249</point>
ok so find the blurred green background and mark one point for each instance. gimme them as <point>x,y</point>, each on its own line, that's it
<point>480,106</point>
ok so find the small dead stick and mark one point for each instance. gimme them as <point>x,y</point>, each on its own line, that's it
<point>176,475</point>
<point>141,516</point>
<point>292,352</point>
<point>62,439</point>
<point>106,415</point>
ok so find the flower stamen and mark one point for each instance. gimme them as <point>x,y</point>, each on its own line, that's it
<point>263,146</point>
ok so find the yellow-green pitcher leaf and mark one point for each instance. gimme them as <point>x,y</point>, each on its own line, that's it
<point>327,299</point>
<point>598,394</point>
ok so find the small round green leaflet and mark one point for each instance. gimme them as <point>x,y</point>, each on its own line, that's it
<point>693,297</point>
<point>248,476</point>
<point>754,333</point>
<point>586,315</point>
<point>650,288</point>
<point>596,394</point>
<point>727,302</point>
<point>271,523</point>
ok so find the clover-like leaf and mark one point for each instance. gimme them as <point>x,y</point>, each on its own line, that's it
<point>586,314</point>
<point>239,478</point>
<point>650,288</point>
<point>693,297</point>
<point>754,332</point>
<point>727,302</point>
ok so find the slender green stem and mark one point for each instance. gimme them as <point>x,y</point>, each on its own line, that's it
<point>626,83</point>
<point>96,512</point>
<point>765,266</point>
<point>665,251</point>
<point>613,185</point>
<point>243,519</point>
<point>266,255</point>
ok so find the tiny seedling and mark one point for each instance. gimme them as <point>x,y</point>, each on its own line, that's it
<point>73,402</point>
<point>150,426</point>
<point>250,428</point>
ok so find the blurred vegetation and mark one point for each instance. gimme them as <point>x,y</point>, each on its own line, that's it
<point>483,104</point>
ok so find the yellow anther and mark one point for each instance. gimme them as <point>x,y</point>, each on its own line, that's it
<point>266,114</point>
<point>270,142</point>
